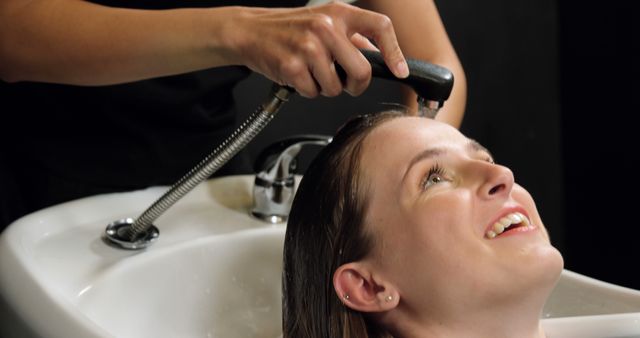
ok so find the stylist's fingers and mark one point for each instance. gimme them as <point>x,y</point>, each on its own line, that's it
<point>297,74</point>
<point>331,32</point>
<point>362,43</point>
<point>324,71</point>
<point>355,65</point>
<point>321,66</point>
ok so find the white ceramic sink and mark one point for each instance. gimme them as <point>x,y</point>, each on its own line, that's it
<point>214,272</point>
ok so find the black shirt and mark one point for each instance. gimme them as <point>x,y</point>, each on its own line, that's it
<point>62,142</point>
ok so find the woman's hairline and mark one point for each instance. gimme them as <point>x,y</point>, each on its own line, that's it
<point>365,185</point>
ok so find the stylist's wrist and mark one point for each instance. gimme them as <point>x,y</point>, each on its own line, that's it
<point>227,37</point>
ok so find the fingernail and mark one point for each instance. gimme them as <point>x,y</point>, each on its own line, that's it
<point>402,69</point>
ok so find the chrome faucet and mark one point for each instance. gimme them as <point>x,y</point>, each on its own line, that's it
<point>274,186</point>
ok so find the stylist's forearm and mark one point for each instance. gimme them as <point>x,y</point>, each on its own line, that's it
<point>422,35</point>
<point>76,42</point>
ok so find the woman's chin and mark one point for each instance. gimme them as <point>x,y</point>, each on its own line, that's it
<point>546,264</point>
<point>555,261</point>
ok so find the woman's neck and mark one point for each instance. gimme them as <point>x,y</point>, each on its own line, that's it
<point>517,318</point>
<point>536,332</point>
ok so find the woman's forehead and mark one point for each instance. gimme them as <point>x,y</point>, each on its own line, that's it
<point>407,134</point>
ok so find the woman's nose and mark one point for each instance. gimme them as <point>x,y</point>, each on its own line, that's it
<point>498,181</point>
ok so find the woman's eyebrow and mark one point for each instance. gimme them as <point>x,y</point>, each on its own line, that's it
<point>423,155</point>
<point>472,145</point>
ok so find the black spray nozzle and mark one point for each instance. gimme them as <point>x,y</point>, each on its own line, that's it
<point>431,82</point>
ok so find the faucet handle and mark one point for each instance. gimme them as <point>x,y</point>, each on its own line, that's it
<point>274,186</point>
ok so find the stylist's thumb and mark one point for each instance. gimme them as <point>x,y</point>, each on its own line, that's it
<point>379,28</point>
<point>394,59</point>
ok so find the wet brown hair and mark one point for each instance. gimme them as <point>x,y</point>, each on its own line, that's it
<point>325,230</point>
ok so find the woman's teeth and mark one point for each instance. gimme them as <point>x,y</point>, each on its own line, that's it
<point>505,222</point>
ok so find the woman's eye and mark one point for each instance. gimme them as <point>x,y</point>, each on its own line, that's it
<point>436,175</point>
<point>433,179</point>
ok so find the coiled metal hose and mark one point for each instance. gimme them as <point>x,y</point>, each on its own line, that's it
<point>128,236</point>
<point>221,155</point>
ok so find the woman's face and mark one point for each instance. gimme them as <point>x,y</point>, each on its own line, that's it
<point>435,198</point>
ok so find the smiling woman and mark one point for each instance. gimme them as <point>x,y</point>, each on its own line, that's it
<point>404,227</point>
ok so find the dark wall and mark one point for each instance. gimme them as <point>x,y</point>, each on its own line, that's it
<point>510,51</point>
<point>599,86</point>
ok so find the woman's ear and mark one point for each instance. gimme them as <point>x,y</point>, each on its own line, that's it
<point>358,289</point>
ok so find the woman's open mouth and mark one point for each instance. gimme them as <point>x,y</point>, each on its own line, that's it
<point>511,222</point>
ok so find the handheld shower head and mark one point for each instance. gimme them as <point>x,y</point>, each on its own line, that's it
<point>431,82</point>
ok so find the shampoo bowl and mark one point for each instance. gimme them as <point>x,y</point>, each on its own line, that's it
<point>214,272</point>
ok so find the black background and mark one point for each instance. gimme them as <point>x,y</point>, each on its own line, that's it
<point>552,93</point>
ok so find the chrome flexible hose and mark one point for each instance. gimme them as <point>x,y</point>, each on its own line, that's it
<point>221,155</point>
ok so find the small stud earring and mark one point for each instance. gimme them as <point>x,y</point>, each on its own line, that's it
<point>346,296</point>
<point>389,298</point>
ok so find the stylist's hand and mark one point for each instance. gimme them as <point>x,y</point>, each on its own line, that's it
<point>298,47</point>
